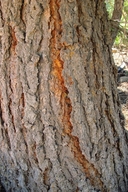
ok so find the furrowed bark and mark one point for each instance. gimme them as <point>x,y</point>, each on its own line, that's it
<point>60,127</point>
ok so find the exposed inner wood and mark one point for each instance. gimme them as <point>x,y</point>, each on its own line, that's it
<point>61,92</point>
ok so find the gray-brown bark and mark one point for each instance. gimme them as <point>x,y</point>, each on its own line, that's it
<point>116,18</point>
<point>60,119</point>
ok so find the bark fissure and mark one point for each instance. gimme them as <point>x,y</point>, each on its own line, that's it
<point>11,114</point>
<point>59,127</point>
<point>22,105</point>
<point>22,12</point>
<point>1,15</point>
<point>8,138</point>
<point>61,92</point>
<point>14,40</point>
<point>46,177</point>
<point>1,113</point>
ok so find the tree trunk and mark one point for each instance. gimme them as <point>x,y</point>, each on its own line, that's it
<point>60,119</point>
<point>116,17</point>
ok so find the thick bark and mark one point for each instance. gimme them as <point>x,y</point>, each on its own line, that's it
<point>60,127</point>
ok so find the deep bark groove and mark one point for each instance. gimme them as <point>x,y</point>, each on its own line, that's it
<point>59,126</point>
<point>62,93</point>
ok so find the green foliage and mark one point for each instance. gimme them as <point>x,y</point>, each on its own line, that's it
<point>126,7</point>
<point>122,37</point>
<point>118,40</point>
<point>110,7</point>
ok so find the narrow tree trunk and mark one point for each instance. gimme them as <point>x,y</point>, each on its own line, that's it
<point>60,127</point>
<point>116,18</point>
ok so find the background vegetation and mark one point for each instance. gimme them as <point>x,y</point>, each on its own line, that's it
<point>122,37</point>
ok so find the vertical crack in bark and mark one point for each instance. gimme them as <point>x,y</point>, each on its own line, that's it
<point>22,12</point>
<point>34,155</point>
<point>115,134</point>
<point>11,81</point>
<point>24,129</point>
<point>14,40</point>
<point>4,130</point>
<point>46,177</point>
<point>61,92</point>
<point>7,138</point>
<point>22,105</point>
<point>11,114</point>
<point>1,112</point>
<point>1,15</point>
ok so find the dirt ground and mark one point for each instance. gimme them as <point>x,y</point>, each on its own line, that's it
<point>123,93</point>
<point>120,56</point>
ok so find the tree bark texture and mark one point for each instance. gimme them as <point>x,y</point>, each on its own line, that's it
<point>60,127</point>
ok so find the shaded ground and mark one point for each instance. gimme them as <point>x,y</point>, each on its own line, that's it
<point>119,57</point>
<point>123,93</point>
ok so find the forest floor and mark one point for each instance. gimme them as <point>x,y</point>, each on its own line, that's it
<point>120,56</point>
